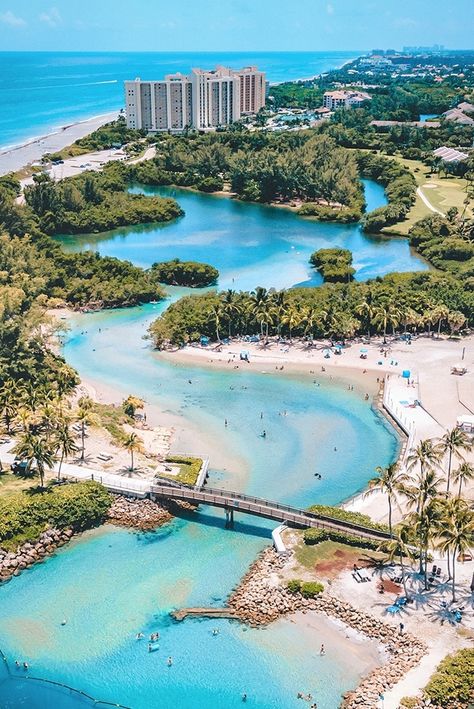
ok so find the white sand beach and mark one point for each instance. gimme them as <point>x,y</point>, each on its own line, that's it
<point>19,156</point>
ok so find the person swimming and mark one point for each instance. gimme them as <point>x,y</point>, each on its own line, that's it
<point>169,661</point>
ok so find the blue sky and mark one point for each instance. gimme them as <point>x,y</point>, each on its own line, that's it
<point>233,25</point>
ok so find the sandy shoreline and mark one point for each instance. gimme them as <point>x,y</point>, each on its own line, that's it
<point>18,156</point>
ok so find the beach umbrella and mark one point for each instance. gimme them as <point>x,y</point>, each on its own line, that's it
<point>406,374</point>
<point>363,349</point>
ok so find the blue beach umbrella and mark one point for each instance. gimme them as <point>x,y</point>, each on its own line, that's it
<point>406,374</point>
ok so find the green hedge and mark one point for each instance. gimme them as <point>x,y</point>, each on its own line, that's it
<point>452,684</point>
<point>316,536</point>
<point>79,506</point>
<point>308,589</point>
<point>346,516</point>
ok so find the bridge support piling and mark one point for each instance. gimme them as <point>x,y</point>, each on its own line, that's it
<point>229,518</point>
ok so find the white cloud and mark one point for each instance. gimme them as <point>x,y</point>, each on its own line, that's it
<point>52,17</point>
<point>330,9</point>
<point>9,18</point>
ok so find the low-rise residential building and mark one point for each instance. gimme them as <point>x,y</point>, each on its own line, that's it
<point>450,154</point>
<point>344,99</point>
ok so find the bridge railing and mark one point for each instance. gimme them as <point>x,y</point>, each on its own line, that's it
<point>207,494</point>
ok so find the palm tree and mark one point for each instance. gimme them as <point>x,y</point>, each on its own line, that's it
<point>453,443</point>
<point>426,455</point>
<point>456,534</point>
<point>38,450</point>
<point>291,319</point>
<point>367,310</point>
<point>389,481</point>
<point>11,394</point>
<point>216,314</point>
<point>399,547</point>
<point>65,443</point>
<point>280,304</point>
<point>132,443</point>
<point>440,313</point>
<point>262,309</point>
<point>463,474</point>
<point>230,308</point>
<point>311,316</point>
<point>85,417</point>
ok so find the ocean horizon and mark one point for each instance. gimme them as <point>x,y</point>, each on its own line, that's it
<point>44,91</point>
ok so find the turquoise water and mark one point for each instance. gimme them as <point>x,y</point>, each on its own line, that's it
<point>44,90</point>
<point>251,244</point>
<point>112,583</point>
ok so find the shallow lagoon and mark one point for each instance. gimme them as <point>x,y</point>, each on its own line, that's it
<point>251,244</point>
<point>111,583</point>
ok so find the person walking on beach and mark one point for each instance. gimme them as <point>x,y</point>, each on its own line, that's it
<point>322,650</point>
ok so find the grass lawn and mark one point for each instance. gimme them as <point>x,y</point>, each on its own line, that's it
<point>11,484</point>
<point>328,558</point>
<point>443,193</point>
<point>189,469</point>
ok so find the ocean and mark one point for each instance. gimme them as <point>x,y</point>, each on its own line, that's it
<point>42,91</point>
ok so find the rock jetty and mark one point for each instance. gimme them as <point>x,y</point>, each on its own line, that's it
<point>141,514</point>
<point>261,599</point>
<point>13,563</point>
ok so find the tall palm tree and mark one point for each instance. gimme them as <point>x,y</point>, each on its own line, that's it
<point>65,443</point>
<point>457,534</point>
<point>85,417</point>
<point>230,308</point>
<point>389,481</point>
<point>132,444</point>
<point>216,315</point>
<point>440,314</point>
<point>463,474</point>
<point>11,393</point>
<point>425,456</point>
<point>38,450</point>
<point>262,309</point>
<point>291,318</point>
<point>453,444</point>
<point>399,548</point>
<point>367,310</point>
<point>280,304</point>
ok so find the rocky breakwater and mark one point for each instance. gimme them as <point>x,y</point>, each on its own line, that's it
<point>143,514</point>
<point>13,563</point>
<point>260,599</point>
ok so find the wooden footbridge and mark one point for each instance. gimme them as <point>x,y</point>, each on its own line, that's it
<point>236,501</point>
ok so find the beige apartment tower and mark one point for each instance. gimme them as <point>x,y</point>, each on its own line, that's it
<point>204,100</point>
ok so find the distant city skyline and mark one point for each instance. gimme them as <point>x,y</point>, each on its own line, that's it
<point>234,25</point>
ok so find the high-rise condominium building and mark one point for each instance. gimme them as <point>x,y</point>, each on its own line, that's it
<point>202,100</point>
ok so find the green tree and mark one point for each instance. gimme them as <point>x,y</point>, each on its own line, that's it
<point>65,443</point>
<point>400,548</point>
<point>456,532</point>
<point>389,481</point>
<point>463,474</point>
<point>453,444</point>
<point>132,444</point>
<point>38,450</point>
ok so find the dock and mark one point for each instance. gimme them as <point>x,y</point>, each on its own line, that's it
<point>203,613</point>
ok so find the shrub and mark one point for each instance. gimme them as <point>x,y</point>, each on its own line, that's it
<point>333,264</point>
<point>316,536</point>
<point>210,184</point>
<point>184,273</point>
<point>329,214</point>
<point>409,702</point>
<point>294,585</point>
<point>310,589</point>
<point>79,506</point>
<point>452,683</point>
<point>346,516</point>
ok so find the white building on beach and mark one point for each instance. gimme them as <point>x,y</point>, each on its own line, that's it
<point>344,99</point>
<point>202,100</point>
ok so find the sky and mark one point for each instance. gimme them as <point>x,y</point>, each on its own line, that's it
<point>233,25</point>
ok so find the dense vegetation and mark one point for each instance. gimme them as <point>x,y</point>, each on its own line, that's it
<point>452,684</point>
<point>93,201</point>
<point>446,243</point>
<point>185,273</point>
<point>335,265</point>
<point>78,506</point>
<point>414,302</point>
<point>308,589</point>
<point>260,167</point>
<point>400,189</point>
